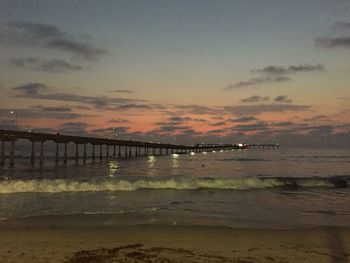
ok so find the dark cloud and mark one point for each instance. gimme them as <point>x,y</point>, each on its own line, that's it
<point>244,119</point>
<point>31,89</point>
<point>216,131</point>
<point>256,81</point>
<point>52,65</point>
<point>321,130</point>
<point>198,109</point>
<point>283,124</point>
<point>279,70</point>
<point>329,42</point>
<point>47,36</point>
<point>43,92</point>
<point>282,99</point>
<point>220,123</point>
<point>74,128</point>
<point>342,25</point>
<point>38,112</point>
<point>317,118</point>
<point>255,98</point>
<point>254,127</point>
<point>274,74</point>
<point>258,109</point>
<point>121,91</point>
<point>340,41</point>
<point>134,106</point>
<point>56,109</point>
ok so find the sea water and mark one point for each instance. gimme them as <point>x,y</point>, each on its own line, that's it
<point>254,188</point>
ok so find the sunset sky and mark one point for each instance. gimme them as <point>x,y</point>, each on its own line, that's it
<point>178,71</point>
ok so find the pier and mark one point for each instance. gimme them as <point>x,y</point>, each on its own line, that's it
<point>101,147</point>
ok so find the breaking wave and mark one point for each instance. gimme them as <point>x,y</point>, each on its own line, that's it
<point>112,184</point>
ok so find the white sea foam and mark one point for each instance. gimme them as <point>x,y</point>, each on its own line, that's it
<point>112,184</point>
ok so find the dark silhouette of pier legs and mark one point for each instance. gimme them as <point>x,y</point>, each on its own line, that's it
<point>76,152</point>
<point>114,153</point>
<point>41,153</point>
<point>119,151</point>
<point>100,151</point>
<point>93,152</point>
<point>2,160</point>
<point>12,154</point>
<point>107,152</point>
<point>57,152</point>
<point>130,152</point>
<point>126,152</point>
<point>84,154</point>
<point>65,153</point>
<point>32,155</point>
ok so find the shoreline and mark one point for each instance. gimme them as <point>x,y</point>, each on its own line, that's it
<point>163,243</point>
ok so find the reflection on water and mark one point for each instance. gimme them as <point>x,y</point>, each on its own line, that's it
<point>151,160</point>
<point>114,167</point>
<point>175,160</point>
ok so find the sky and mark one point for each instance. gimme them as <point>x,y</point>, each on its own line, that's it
<point>179,71</point>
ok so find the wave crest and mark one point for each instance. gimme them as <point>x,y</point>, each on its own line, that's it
<point>112,184</point>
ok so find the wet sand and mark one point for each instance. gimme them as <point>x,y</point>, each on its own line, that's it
<point>173,244</point>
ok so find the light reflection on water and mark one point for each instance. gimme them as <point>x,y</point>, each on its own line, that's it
<point>262,207</point>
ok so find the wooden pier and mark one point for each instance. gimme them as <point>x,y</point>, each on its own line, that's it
<point>263,146</point>
<point>113,148</point>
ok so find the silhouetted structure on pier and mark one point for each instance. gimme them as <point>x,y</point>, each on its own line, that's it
<point>121,148</point>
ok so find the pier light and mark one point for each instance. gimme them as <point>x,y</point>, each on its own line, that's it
<point>12,112</point>
<point>240,145</point>
<point>192,153</point>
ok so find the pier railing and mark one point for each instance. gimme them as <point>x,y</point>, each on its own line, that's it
<point>120,148</point>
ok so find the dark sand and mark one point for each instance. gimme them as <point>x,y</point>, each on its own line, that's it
<point>173,244</point>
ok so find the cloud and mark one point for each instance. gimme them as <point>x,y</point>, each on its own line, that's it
<point>340,41</point>
<point>219,123</point>
<point>278,70</point>
<point>74,127</point>
<point>317,118</point>
<point>43,92</point>
<point>282,99</point>
<point>254,127</point>
<point>283,124</point>
<point>256,81</point>
<point>255,98</point>
<point>48,36</point>
<point>198,109</point>
<point>258,109</point>
<point>342,25</point>
<point>52,65</point>
<point>121,91</point>
<point>31,89</point>
<point>244,119</point>
<point>329,42</point>
<point>39,112</point>
<point>56,109</point>
<point>275,74</point>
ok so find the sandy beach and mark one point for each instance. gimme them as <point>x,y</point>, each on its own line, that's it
<point>173,244</point>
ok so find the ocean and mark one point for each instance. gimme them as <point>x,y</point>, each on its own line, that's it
<point>253,188</point>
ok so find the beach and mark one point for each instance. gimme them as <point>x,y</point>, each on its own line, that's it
<point>154,243</point>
